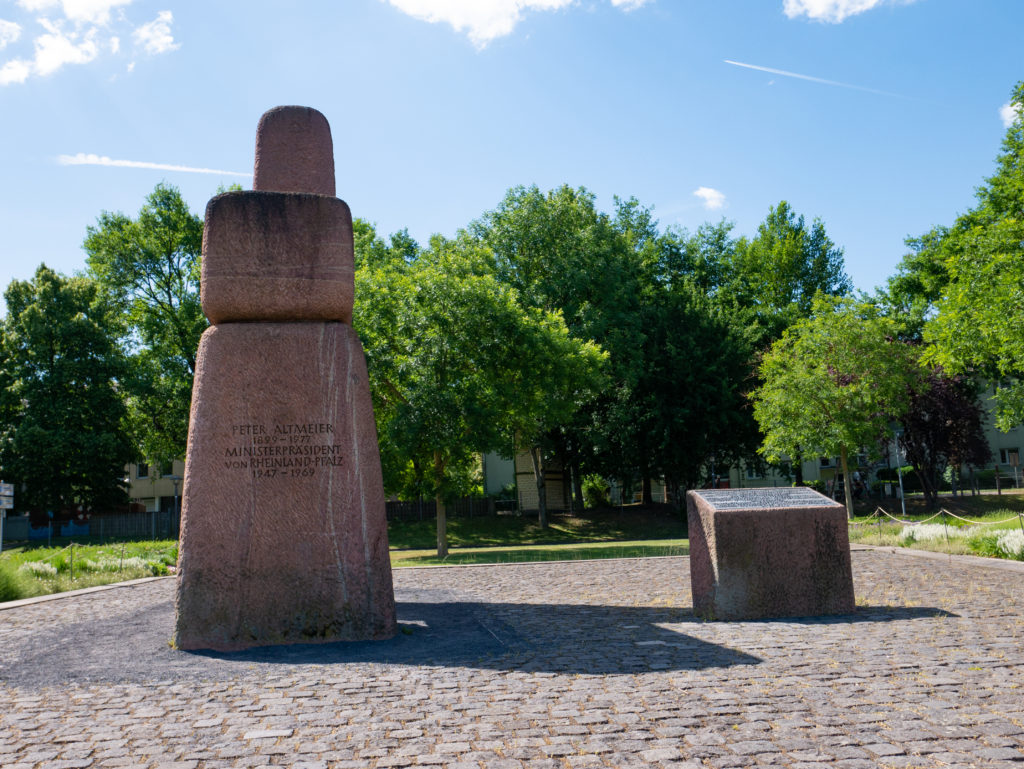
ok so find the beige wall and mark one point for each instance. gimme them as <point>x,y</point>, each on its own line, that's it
<point>557,487</point>
<point>151,487</point>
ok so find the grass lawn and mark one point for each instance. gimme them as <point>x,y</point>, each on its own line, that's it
<point>633,523</point>
<point>524,553</point>
<point>629,533</point>
<point>992,528</point>
<point>31,571</point>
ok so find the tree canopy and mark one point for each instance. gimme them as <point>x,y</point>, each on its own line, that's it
<point>63,442</point>
<point>457,364</point>
<point>149,267</point>
<point>832,383</point>
<point>942,427</point>
<point>980,258</point>
<point>778,273</point>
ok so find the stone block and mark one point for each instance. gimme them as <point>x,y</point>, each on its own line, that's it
<point>294,152</point>
<point>762,553</point>
<point>284,536</point>
<point>277,256</point>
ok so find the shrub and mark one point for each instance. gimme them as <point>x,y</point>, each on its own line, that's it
<point>596,492</point>
<point>889,474</point>
<point>986,544</point>
<point>12,583</point>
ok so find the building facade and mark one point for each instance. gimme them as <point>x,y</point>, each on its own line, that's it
<point>158,489</point>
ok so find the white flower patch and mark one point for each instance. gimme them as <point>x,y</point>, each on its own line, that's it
<point>38,569</point>
<point>1011,543</point>
<point>116,564</point>
<point>930,532</point>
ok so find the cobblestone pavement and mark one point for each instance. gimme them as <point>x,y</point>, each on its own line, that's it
<point>546,665</point>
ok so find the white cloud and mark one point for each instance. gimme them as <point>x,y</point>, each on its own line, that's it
<point>84,159</point>
<point>57,48</point>
<point>78,11</point>
<point>1008,113</point>
<point>9,33</point>
<point>487,20</point>
<point>155,37</point>
<point>833,11</point>
<point>15,71</point>
<point>713,199</point>
<point>76,32</point>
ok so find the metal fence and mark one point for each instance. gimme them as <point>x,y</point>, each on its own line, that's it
<point>467,507</point>
<point>166,524</point>
<point>100,528</point>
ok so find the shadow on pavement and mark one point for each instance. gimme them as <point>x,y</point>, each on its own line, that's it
<point>435,629</point>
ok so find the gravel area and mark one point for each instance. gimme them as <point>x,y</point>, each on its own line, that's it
<point>595,663</point>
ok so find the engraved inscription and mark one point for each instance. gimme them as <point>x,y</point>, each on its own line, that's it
<point>764,498</point>
<point>287,450</point>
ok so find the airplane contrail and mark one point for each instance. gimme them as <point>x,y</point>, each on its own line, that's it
<point>83,159</point>
<point>821,80</point>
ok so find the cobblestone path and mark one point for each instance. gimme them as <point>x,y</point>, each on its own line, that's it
<point>543,665</point>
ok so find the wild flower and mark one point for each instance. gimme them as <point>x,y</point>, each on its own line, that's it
<point>930,532</point>
<point>1011,543</point>
<point>38,569</point>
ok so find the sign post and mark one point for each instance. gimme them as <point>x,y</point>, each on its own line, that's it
<point>6,503</point>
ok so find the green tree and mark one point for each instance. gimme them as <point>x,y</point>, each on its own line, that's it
<point>149,266</point>
<point>980,313</point>
<point>777,275</point>
<point>831,383</point>
<point>457,365</point>
<point>62,442</point>
<point>690,402</point>
<point>563,255</point>
<point>911,296</point>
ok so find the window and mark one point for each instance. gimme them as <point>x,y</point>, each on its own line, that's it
<point>827,462</point>
<point>753,473</point>
<point>142,470</point>
<point>1009,457</point>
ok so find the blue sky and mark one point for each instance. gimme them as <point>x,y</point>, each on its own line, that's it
<point>879,116</point>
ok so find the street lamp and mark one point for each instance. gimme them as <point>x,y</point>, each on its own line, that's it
<point>175,479</point>
<point>897,431</point>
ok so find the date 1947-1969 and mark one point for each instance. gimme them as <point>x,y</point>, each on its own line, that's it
<point>273,472</point>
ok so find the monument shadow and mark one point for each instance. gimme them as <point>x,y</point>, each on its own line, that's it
<point>436,628</point>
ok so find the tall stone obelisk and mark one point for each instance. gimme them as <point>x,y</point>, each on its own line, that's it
<point>283,537</point>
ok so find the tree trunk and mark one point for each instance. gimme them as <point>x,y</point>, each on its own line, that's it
<point>647,498</point>
<point>847,483</point>
<point>927,488</point>
<point>442,519</point>
<point>577,487</point>
<point>798,469</point>
<point>542,489</point>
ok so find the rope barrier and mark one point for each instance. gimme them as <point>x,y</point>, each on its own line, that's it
<point>931,518</point>
<point>50,558</point>
<point>979,523</point>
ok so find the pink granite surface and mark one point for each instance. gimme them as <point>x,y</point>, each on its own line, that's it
<point>277,256</point>
<point>284,537</point>
<point>294,152</point>
<point>284,534</point>
<point>762,562</point>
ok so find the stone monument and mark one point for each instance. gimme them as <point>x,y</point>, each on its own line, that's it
<point>283,535</point>
<point>760,553</point>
